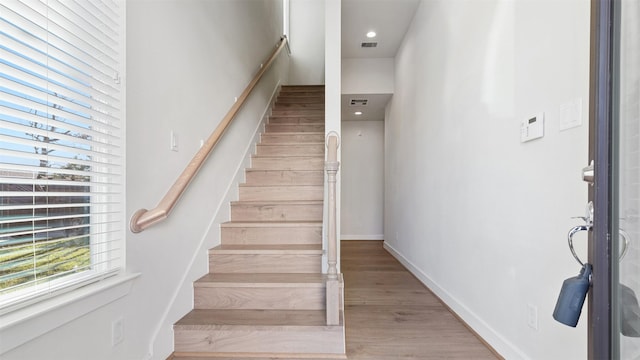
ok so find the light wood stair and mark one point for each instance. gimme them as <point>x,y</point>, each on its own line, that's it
<point>265,294</point>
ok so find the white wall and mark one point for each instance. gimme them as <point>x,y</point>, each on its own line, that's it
<point>186,60</point>
<point>477,215</point>
<point>367,76</point>
<point>362,180</point>
<point>307,34</point>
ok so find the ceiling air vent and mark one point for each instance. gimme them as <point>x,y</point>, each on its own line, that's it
<point>358,102</point>
<point>370,44</point>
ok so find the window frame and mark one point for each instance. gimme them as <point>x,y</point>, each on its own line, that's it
<point>27,319</point>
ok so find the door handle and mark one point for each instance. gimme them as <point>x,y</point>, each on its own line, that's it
<point>572,232</point>
<point>587,227</point>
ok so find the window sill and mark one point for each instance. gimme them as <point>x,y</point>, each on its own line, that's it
<point>23,325</point>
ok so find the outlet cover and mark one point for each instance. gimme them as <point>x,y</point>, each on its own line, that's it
<point>117,331</point>
<point>532,316</point>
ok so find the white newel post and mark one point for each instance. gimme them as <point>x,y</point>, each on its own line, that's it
<point>333,284</point>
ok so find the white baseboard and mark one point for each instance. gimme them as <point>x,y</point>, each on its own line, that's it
<point>486,332</point>
<point>362,237</point>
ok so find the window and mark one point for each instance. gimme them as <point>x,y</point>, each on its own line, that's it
<point>61,160</point>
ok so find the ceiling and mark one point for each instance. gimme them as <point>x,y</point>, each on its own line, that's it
<point>390,19</point>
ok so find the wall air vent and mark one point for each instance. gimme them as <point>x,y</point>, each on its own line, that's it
<point>358,102</point>
<point>369,44</point>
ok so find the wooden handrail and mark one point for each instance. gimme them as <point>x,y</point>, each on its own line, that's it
<point>143,218</point>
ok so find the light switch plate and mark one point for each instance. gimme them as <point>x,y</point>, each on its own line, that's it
<point>571,114</point>
<point>173,145</point>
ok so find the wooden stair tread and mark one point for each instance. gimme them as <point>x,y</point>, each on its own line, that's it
<point>297,249</point>
<point>297,133</point>
<point>288,157</point>
<point>307,105</point>
<point>294,114</point>
<point>279,186</point>
<point>286,90</point>
<point>284,113</point>
<point>277,170</point>
<point>284,224</point>
<point>287,170</point>
<point>236,356</point>
<point>292,171</point>
<point>202,319</point>
<point>296,121</point>
<point>303,86</point>
<point>294,144</point>
<point>261,280</point>
<point>277,202</point>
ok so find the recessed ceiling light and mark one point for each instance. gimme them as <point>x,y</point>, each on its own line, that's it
<point>371,34</point>
<point>358,113</point>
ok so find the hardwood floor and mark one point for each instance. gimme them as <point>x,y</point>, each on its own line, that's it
<point>391,315</point>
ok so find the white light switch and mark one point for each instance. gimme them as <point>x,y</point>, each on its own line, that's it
<point>174,141</point>
<point>532,128</point>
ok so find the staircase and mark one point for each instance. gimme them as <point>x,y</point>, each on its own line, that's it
<point>264,295</point>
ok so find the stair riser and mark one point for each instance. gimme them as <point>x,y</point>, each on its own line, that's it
<point>261,193</point>
<point>284,177</point>
<point>280,212</point>
<point>298,113</point>
<point>291,340</point>
<point>279,138</point>
<point>295,150</point>
<point>298,106</point>
<point>302,89</point>
<point>317,90</point>
<point>311,96</point>
<point>264,263</point>
<point>289,112</point>
<point>277,163</point>
<point>294,128</point>
<point>293,120</point>
<point>300,99</point>
<point>272,298</point>
<point>270,236</point>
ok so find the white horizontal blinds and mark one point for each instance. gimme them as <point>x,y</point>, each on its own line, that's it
<point>61,163</point>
